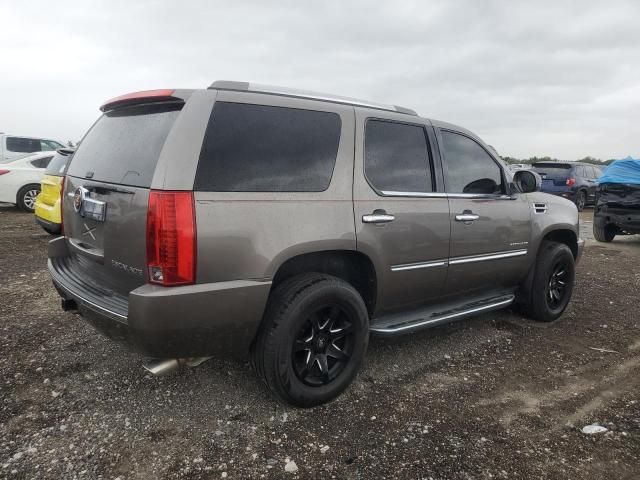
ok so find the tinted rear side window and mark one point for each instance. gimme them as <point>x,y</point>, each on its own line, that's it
<point>23,145</point>
<point>259,148</point>
<point>397,157</point>
<point>57,164</point>
<point>124,145</point>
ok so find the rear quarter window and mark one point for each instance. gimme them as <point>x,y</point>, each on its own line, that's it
<point>41,162</point>
<point>260,148</point>
<point>124,145</point>
<point>57,164</point>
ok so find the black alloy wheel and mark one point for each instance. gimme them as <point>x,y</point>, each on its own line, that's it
<point>557,287</point>
<point>548,292</point>
<point>312,340</point>
<point>323,346</point>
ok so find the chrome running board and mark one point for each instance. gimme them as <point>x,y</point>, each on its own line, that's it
<point>405,322</point>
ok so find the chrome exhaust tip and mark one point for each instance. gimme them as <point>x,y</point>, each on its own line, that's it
<point>162,367</point>
<point>159,367</point>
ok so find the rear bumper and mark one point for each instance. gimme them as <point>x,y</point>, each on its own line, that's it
<point>564,193</point>
<point>49,226</point>
<point>48,213</point>
<point>217,319</point>
<point>628,221</point>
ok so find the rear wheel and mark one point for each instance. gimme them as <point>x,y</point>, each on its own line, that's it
<point>313,339</point>
<point>26,198</point>
<point>581,200</point>
<point>553,280</point>
<point>604,234</point>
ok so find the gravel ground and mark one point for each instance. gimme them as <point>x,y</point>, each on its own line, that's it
<point>493,397</point>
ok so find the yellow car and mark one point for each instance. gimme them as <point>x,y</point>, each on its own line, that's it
<point>47,207</point>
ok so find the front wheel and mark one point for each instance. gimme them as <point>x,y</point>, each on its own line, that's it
<point>313,339</point>
<point>553,281</point>
<point>26,198</point>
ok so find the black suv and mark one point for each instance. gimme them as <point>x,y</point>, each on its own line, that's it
<point>572,180</point>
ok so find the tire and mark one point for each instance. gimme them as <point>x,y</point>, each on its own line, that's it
<point>50,232</point>
<point>551,289</point>
<point>26,199</point>
<point>604,234</point>
<point>307,315</point>
<point>581,200</point>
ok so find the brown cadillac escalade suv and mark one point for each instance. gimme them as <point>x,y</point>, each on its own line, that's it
<point>286,225</point>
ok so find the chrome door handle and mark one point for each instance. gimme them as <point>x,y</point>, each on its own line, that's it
<point>379,216</point>
<point>467,217</point>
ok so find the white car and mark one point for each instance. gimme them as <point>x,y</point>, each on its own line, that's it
<point>13,147</point>
<point>20,179</point>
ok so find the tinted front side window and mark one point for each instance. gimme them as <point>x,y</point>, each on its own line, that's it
<point>23,145</point>
<point>397,157</point>
<point>124,145</point>
<point>470,168</point>
<point>260,148</point>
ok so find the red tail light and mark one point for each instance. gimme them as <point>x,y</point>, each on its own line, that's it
<point>2,172</point>
<point>171,238</point>
<point>571,182</point>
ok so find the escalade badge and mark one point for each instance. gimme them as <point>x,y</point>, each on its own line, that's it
<point>78,198</point>
<point>88,207</point>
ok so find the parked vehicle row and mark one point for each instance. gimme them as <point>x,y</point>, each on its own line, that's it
<point>617,208</point>
<point>48,209</point>
<point>13,147</point>
<point>20,180</point>
<point>288,226</point>
<point>572,180</point>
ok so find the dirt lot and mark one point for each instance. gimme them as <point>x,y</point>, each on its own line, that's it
<point>493,397</point>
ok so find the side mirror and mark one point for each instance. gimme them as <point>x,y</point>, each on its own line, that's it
<point>527,181</point>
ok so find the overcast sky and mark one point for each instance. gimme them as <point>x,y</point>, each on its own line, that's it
<point>542,78</point>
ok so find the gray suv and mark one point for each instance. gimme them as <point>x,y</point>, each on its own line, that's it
<point>285,225</point>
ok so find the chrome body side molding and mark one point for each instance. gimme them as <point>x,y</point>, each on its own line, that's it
<point>460,260</point>
<point>488,256</point>
<point>414,266</point>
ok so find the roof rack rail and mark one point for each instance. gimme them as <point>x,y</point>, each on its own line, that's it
<point>291,92</point>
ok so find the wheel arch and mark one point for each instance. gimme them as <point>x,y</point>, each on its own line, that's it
<point>561,234</point>
<point>352,266</point>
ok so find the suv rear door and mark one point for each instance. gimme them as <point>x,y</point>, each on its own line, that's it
<point>107,193</point>
<point>490,229</point>
<point>401,217</point>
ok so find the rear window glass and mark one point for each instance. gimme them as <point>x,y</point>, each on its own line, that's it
<point>551,169</point>
<point>260,148</point>
<point>124,145</point>
<point>23,145</point>
<point>57,164</point>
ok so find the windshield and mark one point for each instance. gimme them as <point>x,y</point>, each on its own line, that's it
<point>124,145</point>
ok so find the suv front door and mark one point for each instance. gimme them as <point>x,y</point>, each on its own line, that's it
<point>490,227</point>
<point>401,213</point>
